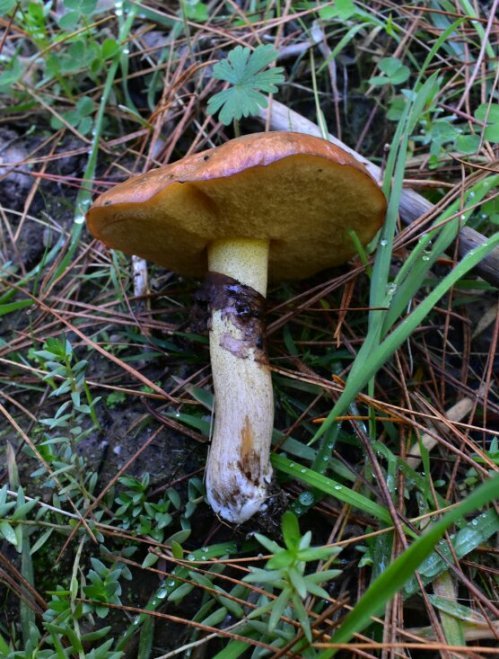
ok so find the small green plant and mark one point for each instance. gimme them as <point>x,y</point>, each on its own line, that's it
<point>442,132</point>
<point>286,571</point>
<point>195,10</point>
<point>103,586</point>
<point>71,51</point>
<point>393,72</point>
<point>145,517</point>
<point>80,117</point>
<point>141,516</point>
<point>12,514</point>
<point>249,81</point>
<point>66,615</point>
<point>115,398</point>
<point>76,11</point>
<point>341,9</point>
<point>65,375</point>
<point>72,421</point>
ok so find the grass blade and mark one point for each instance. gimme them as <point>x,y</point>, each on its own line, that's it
<point>331,487</point>
<point>370,359</point>
<point>404,566</point>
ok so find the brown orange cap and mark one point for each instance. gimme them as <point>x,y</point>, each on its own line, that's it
<point>302,193</point>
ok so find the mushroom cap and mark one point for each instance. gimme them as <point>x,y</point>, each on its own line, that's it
<point>301,193</point>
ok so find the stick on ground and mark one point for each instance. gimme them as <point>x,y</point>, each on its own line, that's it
<point>412,204</point>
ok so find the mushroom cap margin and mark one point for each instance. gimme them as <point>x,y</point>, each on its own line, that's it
<point>302,193</point>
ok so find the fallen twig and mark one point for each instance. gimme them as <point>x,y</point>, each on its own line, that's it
<point>412,204</point>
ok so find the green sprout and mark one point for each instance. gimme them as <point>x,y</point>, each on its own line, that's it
<point>286,571</point>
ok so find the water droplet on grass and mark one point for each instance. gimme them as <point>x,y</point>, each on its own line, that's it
<point>306,498</point>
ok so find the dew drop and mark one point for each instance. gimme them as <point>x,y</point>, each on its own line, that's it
<point>306,498</point>
<point>391,289</point>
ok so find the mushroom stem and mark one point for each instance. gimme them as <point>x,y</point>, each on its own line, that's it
<point>238,472</point>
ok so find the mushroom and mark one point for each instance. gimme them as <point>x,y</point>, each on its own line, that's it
<point>277,204</point>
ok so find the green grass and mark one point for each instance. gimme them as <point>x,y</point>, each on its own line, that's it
<point>108,545</point>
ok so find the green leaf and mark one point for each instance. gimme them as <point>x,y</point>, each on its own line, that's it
<point>467,539</point>
<point>290,529</point>
<point>11,75</point>
<point>302,617</point>
<point>491,133</point>
<point>7,532</point>
<point>244,70</point>
<point>342,9</point>
<point>277,610</point>
<point>95,635</point>
<point>109,48</point>
<point>452,608</point>
<point>396,108</point>
<point>280,560</point>
<point>195,11</point>
<point>69,20</point>
<point>85,106</point>
<point>488,113</point>
<point>317,553</point>
<point>404,566</point>
<point>467,143</point>
<point>41,541</point>
<point>395,72</point>
<point>491,210</point>
<point>10,307</point>
<point>331,487</point>
<point>82,6</point>
<point>298,582</point>
<point>6,6</point>
<point>4,648</point>
<point>270,545</point>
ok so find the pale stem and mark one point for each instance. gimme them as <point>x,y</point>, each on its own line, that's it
<point>238,473</point>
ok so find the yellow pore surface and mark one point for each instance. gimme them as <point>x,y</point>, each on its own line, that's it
<point>305,205</point>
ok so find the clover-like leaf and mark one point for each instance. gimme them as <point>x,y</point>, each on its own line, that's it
<point>489,114</point>
<point>245,71</point>
<point>394,72</point>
